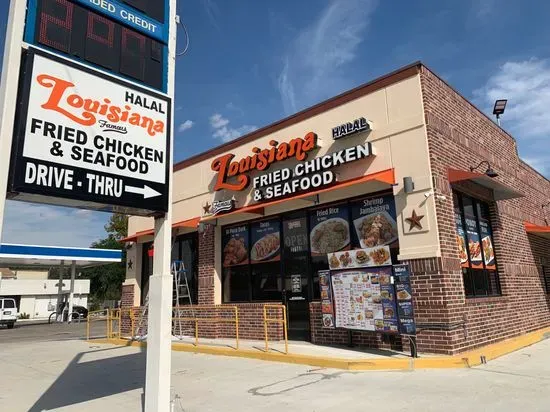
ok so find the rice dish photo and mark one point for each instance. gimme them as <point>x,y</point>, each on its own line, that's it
<point>330,236</point>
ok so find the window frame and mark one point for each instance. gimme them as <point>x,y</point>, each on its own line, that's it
<point>469,272</point>
<point>313,285</point>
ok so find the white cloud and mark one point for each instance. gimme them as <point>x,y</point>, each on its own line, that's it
<point>526,85</point>
<point>223,131</point>
<point>313,65</point>
<point>188,124</point>
<point>217,121</point>
<point>483,8</point>
<point>28,223</point>
<point>540,163</point>
<point>213,11</point>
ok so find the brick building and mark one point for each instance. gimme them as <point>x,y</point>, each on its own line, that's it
<point>404,164</point>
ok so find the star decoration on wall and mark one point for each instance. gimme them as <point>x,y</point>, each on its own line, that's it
<point>206,208</point>
<point>130,264</point>
<point>414,221</point>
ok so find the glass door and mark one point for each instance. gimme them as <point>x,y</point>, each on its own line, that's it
<point>296,290</point>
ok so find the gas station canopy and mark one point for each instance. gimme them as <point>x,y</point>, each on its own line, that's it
<point>22,255</point>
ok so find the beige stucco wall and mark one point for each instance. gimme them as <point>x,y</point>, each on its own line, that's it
<point>399,140</point>
<point>31,274</point>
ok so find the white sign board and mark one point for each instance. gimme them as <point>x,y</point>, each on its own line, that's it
<point>96,141</point>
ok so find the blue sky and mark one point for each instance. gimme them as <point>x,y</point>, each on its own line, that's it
<point>251,63</point>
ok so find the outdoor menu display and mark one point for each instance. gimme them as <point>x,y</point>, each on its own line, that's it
<point>235,246</point>
<point>474,245</point>
<point>329,230</point>
<point>364,300</point>
<point>265,240</point>
<point>327,307</point>
<point>486,238</point>
<point>374,221</point>
<point>403,292</point>
<point>360,258</point>
<point>461,236</point>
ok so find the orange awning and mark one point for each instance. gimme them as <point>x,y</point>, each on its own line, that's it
<point>542,231</point>
<point>190,223</point>
<point>500,190</point>
<point>137,235</point>
<point>385,176</point>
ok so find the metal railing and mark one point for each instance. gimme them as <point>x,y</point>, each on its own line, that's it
<point>98,316</point>
<point>196,320</point>
<point>276,321</point>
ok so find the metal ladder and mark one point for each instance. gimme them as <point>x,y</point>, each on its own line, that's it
<point>181,291</point>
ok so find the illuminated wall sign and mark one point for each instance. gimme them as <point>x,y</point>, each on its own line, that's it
<point>89,140</point>
<point>132,49</point>
<point>347,129</point>
<point>261,160</point>
<point>307,175</point>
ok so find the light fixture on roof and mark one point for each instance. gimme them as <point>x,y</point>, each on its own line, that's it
<point>489,172</point>
<point>498,109</point>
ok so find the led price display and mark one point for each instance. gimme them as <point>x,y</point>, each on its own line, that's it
<point>68,28</point>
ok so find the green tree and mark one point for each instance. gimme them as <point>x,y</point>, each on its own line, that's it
<point>106,281</point>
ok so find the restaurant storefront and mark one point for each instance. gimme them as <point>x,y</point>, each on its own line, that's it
<point>383,176</point>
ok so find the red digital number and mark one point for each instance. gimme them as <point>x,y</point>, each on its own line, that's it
<point>135,54</point>
<point>93,21</point>
<point>65,24</point>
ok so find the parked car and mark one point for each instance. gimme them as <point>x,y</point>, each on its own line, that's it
<point>8,312</point>
<point>80,311</point>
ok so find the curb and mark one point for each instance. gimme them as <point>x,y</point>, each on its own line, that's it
<point>465,360</point>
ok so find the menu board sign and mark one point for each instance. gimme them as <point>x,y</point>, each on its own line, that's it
<point>461,238</point>
<point>295,235</point>
<point>327,307</point>
<point>329,230</point>
<point>374,221</point>
<point>474,245</point>
<point>235,246</point>
<point>402,279</point>
<point>364,300</point>
<point>265,240</point>
<point>360,258</point>
<point>487,243</point>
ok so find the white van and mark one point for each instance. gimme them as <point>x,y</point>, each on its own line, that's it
<point>8,312</point>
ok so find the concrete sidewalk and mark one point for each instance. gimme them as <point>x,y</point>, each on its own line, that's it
<point>345,358</point>
<point>81,376</point>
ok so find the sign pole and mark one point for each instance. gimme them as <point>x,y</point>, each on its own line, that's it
<point>159,323</point>
<point>8,93</point>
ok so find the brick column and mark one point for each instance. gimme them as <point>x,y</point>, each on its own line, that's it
<point>206,266</point>
<point>126,302</point>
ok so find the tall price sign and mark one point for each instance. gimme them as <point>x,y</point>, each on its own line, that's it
<point>93,124</point>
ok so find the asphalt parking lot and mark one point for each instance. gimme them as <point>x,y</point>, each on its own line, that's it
<point>63,373</point>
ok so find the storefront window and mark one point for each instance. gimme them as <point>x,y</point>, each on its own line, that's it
<point>329,232</point>
<point>475,246</point>
<point>184,249</point>
<point>263,259</point>
<point>235,249</point>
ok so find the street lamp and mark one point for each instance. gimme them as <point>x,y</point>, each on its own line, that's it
<point>489,172</point>
<point>500,106</point>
